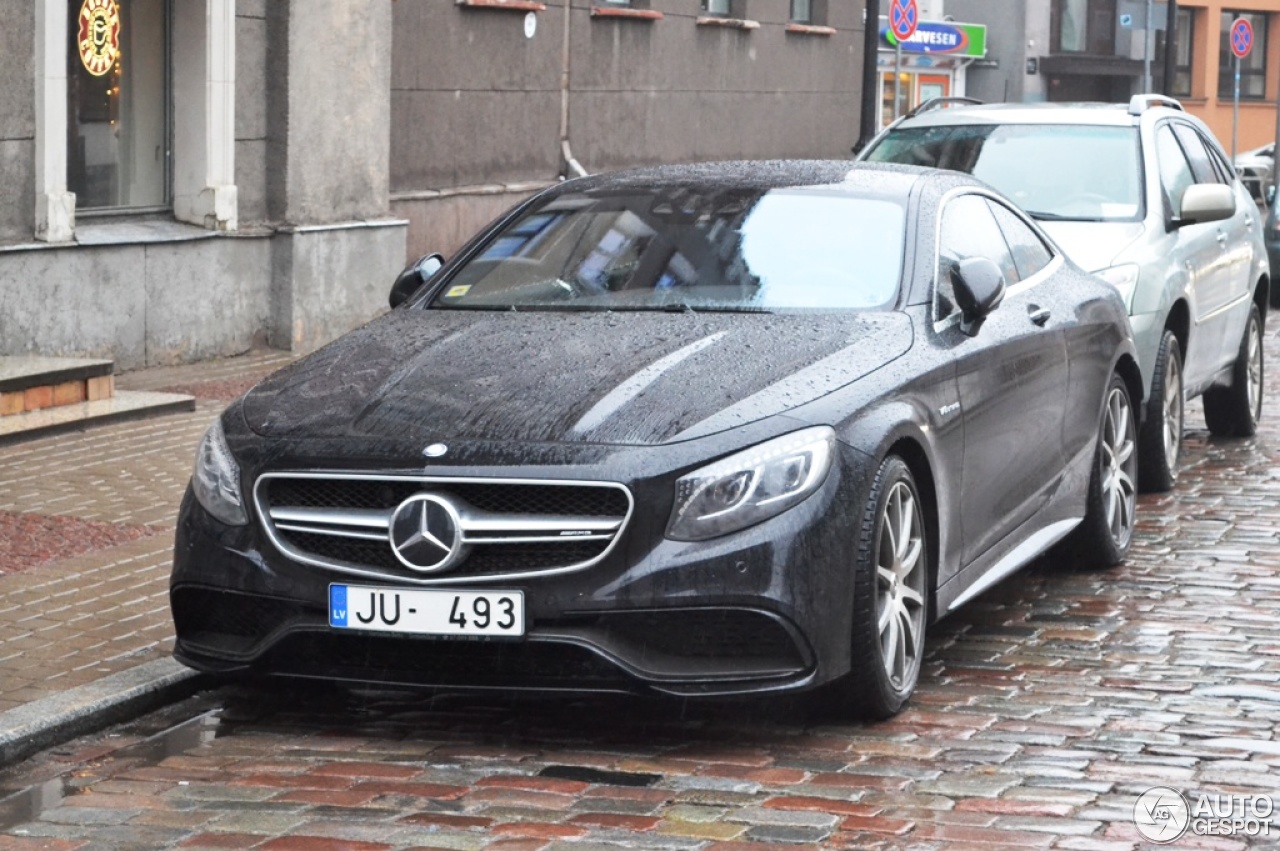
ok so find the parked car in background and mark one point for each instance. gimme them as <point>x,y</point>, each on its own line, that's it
<point>1255,168</point>
<point>706,430</point>
<point>1142,196</point>
<point>1271,234</point>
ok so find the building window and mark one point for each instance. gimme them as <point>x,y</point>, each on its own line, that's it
<point>117,96</point>
<point>1253,68</point>
<point>1185,37</point>
<point>1073,26</point>
<point>717,7</point>
<point>802,11</point>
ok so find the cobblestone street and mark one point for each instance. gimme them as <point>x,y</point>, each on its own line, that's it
<point>1046,707</point>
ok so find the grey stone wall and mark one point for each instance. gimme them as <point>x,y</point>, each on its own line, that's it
<point>642,92</point>
<point>251,110</point>
<point>1017,30</point>
<point>329,73</point>
<point>17,121</point>
<point>141,304</point>
<point>476,103</point>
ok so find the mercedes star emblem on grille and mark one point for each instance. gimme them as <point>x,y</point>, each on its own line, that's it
<point>426,533</point>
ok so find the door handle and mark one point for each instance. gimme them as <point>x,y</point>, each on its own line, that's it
<point>1037,314</point>
<point>1222,239</point>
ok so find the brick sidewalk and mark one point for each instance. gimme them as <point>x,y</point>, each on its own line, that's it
<point>86,535</point>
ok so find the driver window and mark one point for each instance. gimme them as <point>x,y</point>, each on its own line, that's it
<point>1175,171</point>
<point>968,230</point>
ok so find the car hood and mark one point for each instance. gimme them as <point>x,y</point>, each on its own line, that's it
<point>1094,246</point>
<point>623,378</point>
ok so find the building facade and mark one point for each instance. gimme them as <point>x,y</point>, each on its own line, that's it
<point>186,177</point>
<point>1070,50</point>
<point>934,62</point>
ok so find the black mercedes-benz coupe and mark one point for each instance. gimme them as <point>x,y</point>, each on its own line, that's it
<point>704,430</point>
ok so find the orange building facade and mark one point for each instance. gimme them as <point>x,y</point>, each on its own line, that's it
<point>1205,78</point>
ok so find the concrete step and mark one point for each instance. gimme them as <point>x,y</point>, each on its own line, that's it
<point>34,383</point>
<point>124,405</point>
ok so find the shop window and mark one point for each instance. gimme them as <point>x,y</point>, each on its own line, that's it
<point>117,94</point>
<point>135,111</point>
<point>1253,68</point>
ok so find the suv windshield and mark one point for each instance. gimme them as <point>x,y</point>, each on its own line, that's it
<point>1073,172</point>
<point>673,248</point>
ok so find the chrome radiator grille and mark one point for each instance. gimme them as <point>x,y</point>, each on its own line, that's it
<point>505,528</point>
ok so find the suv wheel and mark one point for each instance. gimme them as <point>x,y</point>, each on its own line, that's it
<point>1160,443</point>
<point>1234,411</point>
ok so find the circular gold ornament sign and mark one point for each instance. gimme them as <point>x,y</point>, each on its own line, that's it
<point>99,36</point>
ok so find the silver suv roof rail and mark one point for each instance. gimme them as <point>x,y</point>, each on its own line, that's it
<point>939,103</point>
<point>1139,104</point>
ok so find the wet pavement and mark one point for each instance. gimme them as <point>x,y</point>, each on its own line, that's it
<point>1045,708</point>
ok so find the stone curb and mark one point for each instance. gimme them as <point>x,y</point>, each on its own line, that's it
<point>30,728</point>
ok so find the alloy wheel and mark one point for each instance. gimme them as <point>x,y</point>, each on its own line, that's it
<point>1255,369</point>
<point>1172,418</point>
<point>900,578</point>
<point>1119,466</point>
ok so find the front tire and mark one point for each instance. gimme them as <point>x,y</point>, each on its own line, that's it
<point>1160,443</point>
<point>1103,538</point>
<point>1235,411</point>
<point>891,595</point>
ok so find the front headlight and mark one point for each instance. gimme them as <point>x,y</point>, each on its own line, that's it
<point>751,486</point>
<point>1124,278</point>
<point>216,480</point>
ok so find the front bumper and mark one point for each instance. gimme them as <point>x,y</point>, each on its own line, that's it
<point>762,610</point>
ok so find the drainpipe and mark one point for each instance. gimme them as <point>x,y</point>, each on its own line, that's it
<point>870,76</point>
<point>569,167</point>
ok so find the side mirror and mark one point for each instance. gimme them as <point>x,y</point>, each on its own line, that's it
<point>413,277</point>
<point>1207,202</point>
<point>979,287</point>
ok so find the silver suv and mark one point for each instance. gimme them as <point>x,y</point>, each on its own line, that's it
<point>1144,197</point>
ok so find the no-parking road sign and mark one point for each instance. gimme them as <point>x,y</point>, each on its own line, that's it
<point>1241,37</point>
<point>904,17</point>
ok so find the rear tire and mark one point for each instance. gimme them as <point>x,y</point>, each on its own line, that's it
<point>1235,411</point>
<point>1160,442</point>
<point>1103,538</point>
<point>890,595</point>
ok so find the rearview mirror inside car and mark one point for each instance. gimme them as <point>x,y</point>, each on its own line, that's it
<point>413,277</point>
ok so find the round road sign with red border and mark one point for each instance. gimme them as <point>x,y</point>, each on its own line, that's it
<point>904,17</point>
<point>1241,37</point>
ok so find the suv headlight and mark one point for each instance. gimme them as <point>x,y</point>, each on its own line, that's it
<point>216,480</point>
<point>751,486</point>
<point>1124,278</point>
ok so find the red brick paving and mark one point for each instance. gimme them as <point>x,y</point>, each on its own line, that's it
<point>30,540</point>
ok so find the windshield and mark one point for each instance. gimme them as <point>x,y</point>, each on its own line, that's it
<point>1071,172</point>
<point>672,248</point>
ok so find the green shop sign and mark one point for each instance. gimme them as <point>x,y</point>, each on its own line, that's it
<point>936,37</point>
